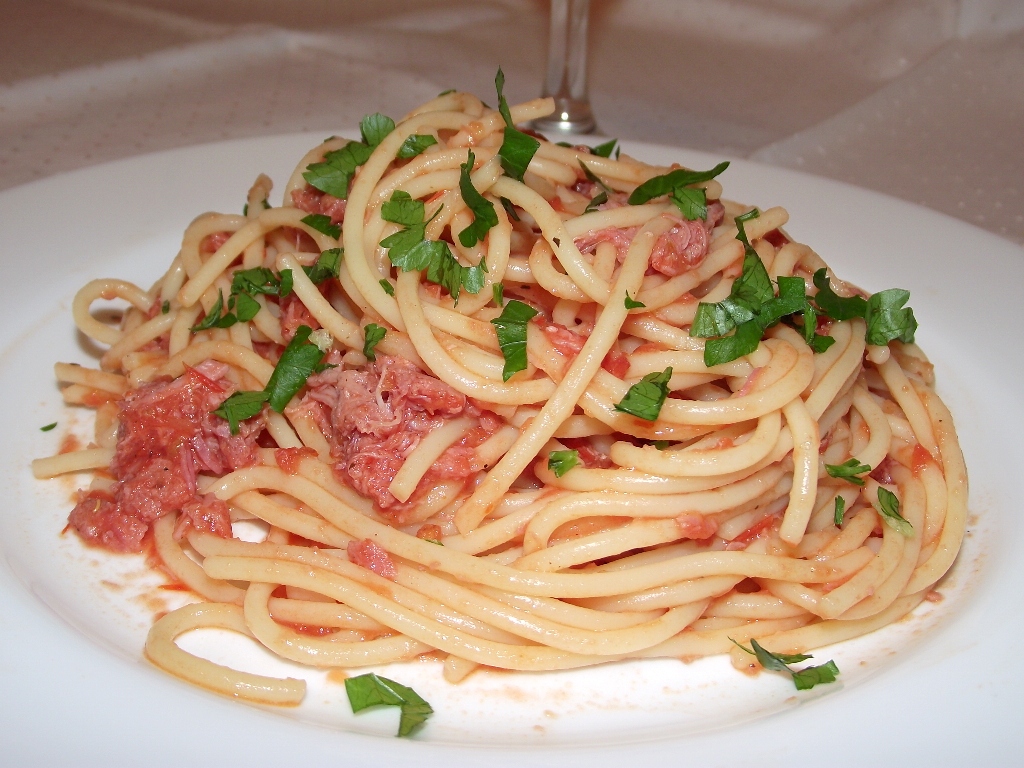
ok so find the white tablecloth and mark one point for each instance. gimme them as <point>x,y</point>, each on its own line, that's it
<point>923,99</point>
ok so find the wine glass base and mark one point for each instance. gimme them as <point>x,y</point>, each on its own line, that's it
<point>570,117</point>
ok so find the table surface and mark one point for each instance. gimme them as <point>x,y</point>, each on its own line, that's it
<point>921,99</point>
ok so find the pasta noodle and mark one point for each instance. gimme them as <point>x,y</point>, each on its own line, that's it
<point>444,475</point>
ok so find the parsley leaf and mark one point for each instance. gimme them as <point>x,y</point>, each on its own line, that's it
<point>402,209</point>
<point>890,506</point>
<point>751,308</point>
<point>299,359</point>
<point>373,334</point>
<point>885,313</point>
<point>333,174</point>
<point>691,201</point>
<point>323,224</point>
<point>415,144</point>
<point>633,303</point>
<point>327,266</point>
<point>837,518</point>
<point>214,319</point>
<point>666,184</point>
<point>409,251</point>
<point>389,289</point>
<point>510,327</point>
<point>510,209</point>
<point>593,178</point>
<point>261,280</point>
<point>48,427</point>
<point>517,149</point>
<point>241,406</point>
<point>887,318</point>
<point>561,462</point>
<point>375,128</point>
<point>645,398</point>
<point>498,291</point>
<point>371,690</point>
<point>848,470</point>
<point>165,308</point>
<point>605,150</point>
<point>833,305</point>
<point>484,216</point>
<point>803,679</point>
<point>599,199</point>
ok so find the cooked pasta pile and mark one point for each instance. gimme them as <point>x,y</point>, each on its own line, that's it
<point>517,404</point>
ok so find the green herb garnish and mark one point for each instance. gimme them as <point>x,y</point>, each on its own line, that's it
<point>633,303</point>
<point>322,224</point>
<point>517,149</point>
<point>561,462</point>
<point>510,327</point>
<point>373,334</point>
<point>645,398</point>
<point>372,690</point>
<point>241,406</point>
<point>890,506</point>
<point>484,216</point>
<point>848,470</point>
<point>48,427</point>
<point>327,266</point>
<point>804,679</point>
<point>837,517</point>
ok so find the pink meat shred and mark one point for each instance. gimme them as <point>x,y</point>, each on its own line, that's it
<point>167,434</point>
<point>369,555</point>
<point>678,250</point>
<point>374,418</point>
<point>312,200</point>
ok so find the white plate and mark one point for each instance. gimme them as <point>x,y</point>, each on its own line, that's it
<point>939,688</point>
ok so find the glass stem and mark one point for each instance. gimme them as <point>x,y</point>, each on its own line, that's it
<point>566,79</point>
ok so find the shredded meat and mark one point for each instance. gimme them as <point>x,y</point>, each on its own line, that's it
<point>372,557</point>
<point>375,417</point>
<point>167,434</point>
<point>679,250</point>
<point>312,200</point>
<point>695,526</point>
<point>293,315</point>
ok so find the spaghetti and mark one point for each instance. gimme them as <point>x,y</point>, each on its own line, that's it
<point>486,409</point>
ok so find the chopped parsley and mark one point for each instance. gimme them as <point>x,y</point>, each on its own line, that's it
<point>848,470</point>
<point>752,307</point>
<point>165,308</point>
<point>692,203</point>
<point>48,427</point>
<point>804,679</point>
<point>510,327</point>
<point>322,224</point>
<point>890,506</point>
<point>498,291</point>
<point>885,313</point>
<point>409,249</point>
<point>371,690</point>
<point>327,266</point>
<point>517,148</point>
<point>561,462</point>
<point>375,128</point>
<point>633,303</point>
<point>605,150</point>
<point>840,510</point>
<point>415,144</point>
<point>599,199</point>
<point>241,406</point>
<point>214,318</point>
<point>645,398</point>
<point>299,360</point>
<point>389,289</point>
<point>334,173</point>
<point>484,215</point>
<point>373,334</point>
